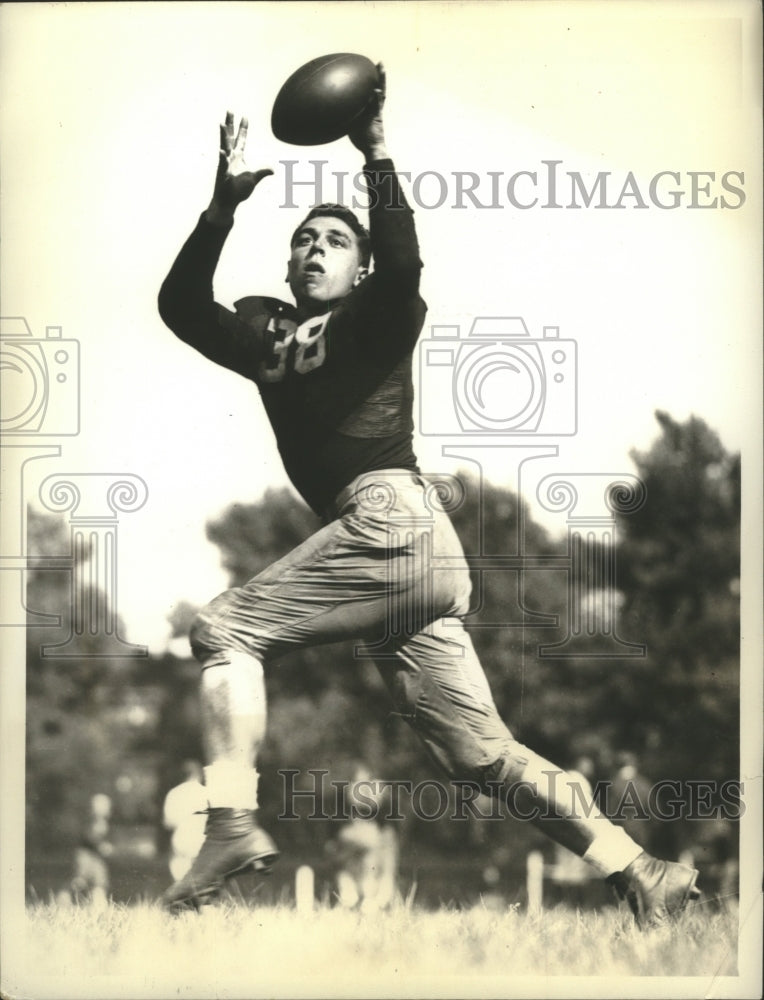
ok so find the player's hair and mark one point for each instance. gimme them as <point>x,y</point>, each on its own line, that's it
<point>334,211</point>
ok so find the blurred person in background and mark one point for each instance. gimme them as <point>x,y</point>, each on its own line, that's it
<point>366,848</point>
<point>185,814</point>
<point>628,798</point>
<point>90,881</point>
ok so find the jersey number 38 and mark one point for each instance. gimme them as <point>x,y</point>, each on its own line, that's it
<point>301,348</point>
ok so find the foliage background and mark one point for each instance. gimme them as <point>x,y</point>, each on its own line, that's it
<point>124,726</point>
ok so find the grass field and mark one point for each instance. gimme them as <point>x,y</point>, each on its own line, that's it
<point>239,949</point>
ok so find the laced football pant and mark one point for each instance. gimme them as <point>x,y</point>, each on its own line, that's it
<point>387,569</point>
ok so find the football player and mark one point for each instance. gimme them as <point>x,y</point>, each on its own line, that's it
<point>334,373</point>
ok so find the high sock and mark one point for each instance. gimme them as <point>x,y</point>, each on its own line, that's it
<point>232,786</point>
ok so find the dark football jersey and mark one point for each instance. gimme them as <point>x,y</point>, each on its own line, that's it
<point>337,388</point>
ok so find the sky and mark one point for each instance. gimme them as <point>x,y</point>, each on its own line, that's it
<point>110,126</point>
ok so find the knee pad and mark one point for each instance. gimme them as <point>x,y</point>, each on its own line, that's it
<point>232,621</point>
<point>200,638</point>
<point>220,630</point>
<point>206,635</point>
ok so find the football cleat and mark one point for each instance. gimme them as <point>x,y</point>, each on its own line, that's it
<point>233,842</point>
<point>656,890</point>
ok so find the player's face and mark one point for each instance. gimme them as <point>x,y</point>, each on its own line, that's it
<point>325,263</point>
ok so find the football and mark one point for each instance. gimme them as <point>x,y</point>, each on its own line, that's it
<point>321,100</point>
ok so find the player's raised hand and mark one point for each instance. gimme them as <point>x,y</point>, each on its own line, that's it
<point>234,182</point>
<point>368,134</point>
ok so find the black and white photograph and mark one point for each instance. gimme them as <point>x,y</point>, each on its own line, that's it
<point>381,454</point>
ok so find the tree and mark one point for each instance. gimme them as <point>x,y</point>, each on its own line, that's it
<point>679,567</point>
<point>252,536</point>
<point>676,708</point>
<point>73,746</point>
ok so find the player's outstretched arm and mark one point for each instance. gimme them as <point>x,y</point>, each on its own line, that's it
<point>368,134</point>
<point>393,237</point>
<point>234,181</point>
<point>186,299</point>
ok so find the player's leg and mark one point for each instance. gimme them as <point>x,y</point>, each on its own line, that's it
<point>439,687</point>
<point>233,718</point>
<point>334,586</point>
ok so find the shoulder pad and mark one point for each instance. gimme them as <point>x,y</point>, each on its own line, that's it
<point>253,306</point>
